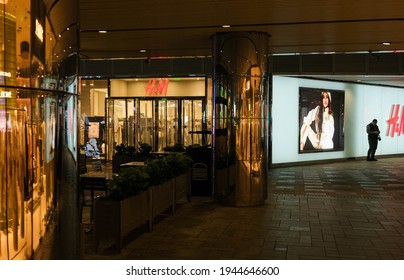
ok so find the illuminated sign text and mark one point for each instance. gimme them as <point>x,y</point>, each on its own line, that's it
<point>155,87</point>
<point>395,125</point>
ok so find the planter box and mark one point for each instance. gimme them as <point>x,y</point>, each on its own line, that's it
<point>114,220</point>
<point>182,188</point>
<point>162,198</point>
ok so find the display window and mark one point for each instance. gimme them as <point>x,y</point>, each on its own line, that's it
<point>28,128</point>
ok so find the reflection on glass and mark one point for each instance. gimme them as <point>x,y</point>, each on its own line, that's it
<point>146,122</point>
<point>131,119</point>
<point>12,212</point>
<point>172,122</point>
<point>162,125</point>
<point>192,122</point>
<point>167,123</point>
<point>110,129</point>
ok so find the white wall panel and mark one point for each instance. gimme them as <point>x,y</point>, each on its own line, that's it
<point>363,103</point>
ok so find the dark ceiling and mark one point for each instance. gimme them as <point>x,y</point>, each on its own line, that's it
<point>173,28</point>
<point>183,28</point>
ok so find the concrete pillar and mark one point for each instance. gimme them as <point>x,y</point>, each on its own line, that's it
<point>240,127</point>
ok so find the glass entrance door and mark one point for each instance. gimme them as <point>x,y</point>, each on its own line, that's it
<point>146,124</point>
<point>167,123</point>
<point>156,122</point>
<point>192,132</point>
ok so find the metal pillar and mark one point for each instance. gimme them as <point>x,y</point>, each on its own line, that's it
<point>240,132</point>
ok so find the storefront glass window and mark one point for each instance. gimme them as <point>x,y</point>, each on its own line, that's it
<point>93,134</point>
<point>28,128</point>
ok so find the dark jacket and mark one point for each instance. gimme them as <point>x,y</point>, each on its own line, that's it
<point>373,131</point>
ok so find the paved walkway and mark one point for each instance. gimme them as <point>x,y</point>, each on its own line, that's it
<point>345,210</point>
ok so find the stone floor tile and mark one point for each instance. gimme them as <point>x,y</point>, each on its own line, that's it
<point>343,210</point>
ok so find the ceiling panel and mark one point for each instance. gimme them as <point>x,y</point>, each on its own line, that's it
<point>181,28</point>
<point>177,28</point>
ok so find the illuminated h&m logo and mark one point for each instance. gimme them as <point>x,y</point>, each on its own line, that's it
<point>395,124</point>
<point>157,88</point>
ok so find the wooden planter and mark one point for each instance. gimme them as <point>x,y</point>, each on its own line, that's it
<point>162,198</point>
<point>182,188</point>
<point>114,220</point>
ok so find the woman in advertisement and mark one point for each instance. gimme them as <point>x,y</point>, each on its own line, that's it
<point>322,133</point>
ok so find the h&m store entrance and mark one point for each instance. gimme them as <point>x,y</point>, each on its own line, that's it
<point>160,112</point>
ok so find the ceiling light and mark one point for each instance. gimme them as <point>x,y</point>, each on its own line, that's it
<point>386,43</point>
<point>226,25</point>
<point>102,31</point>
<point>142,51</point>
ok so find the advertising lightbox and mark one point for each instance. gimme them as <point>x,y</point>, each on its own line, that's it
<point>321,120</point>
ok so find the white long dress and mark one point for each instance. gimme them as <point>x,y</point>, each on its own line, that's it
<point>324,140</point>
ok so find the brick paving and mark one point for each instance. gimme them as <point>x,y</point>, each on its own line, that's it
<point>344,210</point>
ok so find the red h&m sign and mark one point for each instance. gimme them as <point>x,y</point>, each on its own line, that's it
<point>157,88</point>
<point>395,124</point>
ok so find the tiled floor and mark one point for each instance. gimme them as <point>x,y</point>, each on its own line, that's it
<point>344,210</point>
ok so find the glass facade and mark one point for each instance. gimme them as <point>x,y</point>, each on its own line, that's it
<point>31,107</point>
<point>160,112</point>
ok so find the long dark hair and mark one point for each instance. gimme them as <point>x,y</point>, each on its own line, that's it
<point>320,112</point>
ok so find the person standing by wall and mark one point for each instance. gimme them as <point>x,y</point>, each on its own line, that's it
<point>373,137</point>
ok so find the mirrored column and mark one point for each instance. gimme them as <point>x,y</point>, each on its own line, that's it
<point>240,89</point>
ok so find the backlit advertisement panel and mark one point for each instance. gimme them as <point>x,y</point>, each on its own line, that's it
<point>321,119</point>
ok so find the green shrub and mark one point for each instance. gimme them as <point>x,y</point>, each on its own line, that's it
<point>128,182</point>
<point>140,153</point>
<point>179,163</point>
<point>159,171</point>
<point>176,148</point>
